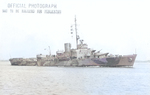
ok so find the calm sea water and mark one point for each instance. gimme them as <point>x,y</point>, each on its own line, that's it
<point>34,80</point>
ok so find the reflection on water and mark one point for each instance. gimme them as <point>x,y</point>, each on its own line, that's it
<point>33,80</point>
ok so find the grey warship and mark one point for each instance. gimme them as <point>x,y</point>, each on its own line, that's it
<point>82,56</point>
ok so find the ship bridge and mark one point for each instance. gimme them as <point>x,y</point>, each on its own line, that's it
<point>81,52</point>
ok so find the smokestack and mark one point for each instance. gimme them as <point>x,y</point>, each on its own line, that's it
<point>67,47</point>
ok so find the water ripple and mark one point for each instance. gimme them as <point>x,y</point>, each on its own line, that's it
<point>33,80</point>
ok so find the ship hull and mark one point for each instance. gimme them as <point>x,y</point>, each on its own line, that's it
<point>120,61</point>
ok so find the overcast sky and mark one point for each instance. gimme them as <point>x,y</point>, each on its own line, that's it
<point>115,26</point>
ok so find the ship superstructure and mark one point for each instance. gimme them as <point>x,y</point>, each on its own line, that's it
<point>84,56</point>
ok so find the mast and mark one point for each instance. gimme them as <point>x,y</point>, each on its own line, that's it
<point>77,36</point>
<point>76,32</point>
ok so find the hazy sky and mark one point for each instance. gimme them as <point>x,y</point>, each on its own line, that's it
<point>115,26</point>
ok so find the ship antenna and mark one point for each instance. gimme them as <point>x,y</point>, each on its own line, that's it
<point>76,32</point>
